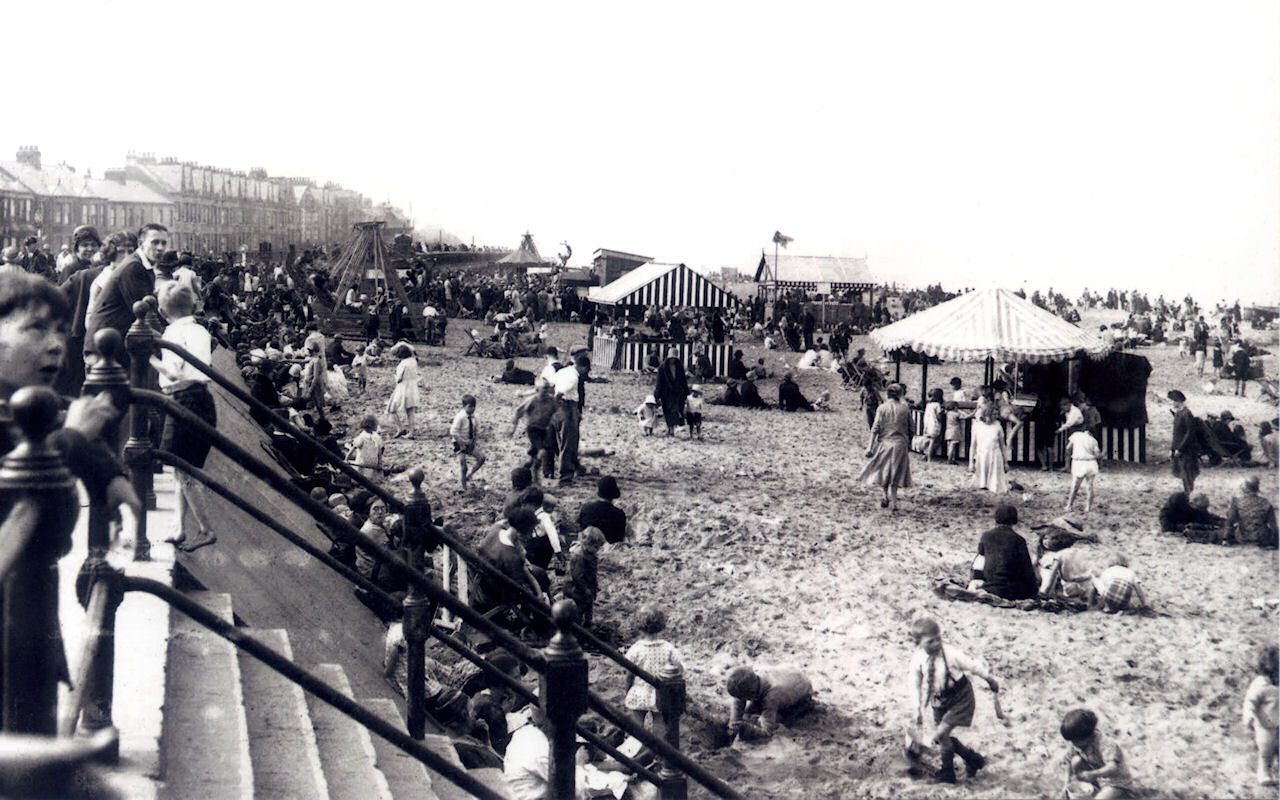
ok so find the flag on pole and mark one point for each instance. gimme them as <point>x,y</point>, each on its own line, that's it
<point>779,238</point>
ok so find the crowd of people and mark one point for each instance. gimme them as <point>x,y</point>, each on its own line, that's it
<point>271,323</point>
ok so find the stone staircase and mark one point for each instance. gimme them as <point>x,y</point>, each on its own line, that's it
<point>233,728</point>
<point>199,719</point>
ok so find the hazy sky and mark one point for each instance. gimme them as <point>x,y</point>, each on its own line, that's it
<point>1091,143</point>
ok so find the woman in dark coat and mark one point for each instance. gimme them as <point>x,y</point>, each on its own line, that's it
<point>671,391</point>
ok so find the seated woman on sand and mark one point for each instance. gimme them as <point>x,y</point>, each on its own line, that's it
<point>1003,566</point>
<point>1180,515</point>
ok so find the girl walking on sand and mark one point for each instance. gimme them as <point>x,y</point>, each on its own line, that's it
<point>404,398</point>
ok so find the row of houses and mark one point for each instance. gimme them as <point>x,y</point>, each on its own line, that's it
<point>206,209</point>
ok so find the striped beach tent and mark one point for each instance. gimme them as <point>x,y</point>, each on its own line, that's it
<point>662,285</point>
<point>989,323</point>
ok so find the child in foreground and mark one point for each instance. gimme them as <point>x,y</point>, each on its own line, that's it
<point>1262,712</point>
<point>463,433</point>
<point>1095,765</point>
<point>651,653</point>
<point>939,680</point>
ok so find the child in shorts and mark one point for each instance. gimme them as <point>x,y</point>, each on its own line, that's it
<point>1083,452</point>
<point>464,435</point>
<point>693,411</point>
<point>1093,760</point>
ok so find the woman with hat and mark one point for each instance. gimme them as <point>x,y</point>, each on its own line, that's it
<point>671,391</point>
<point>889,448</point>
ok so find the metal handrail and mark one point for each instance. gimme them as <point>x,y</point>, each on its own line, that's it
<point>355,577</point>
<point>219,488</point>
<point>237,636</point>
<point>436,593</point>
<point>520,689</point>
<point>329,517</point>
<point>95,614</point>
<point>16,533</point>
<point>328,455</point>
<point>457,545</point>
<point>669,754</point>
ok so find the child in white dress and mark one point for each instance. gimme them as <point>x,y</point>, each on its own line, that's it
<point>365,450</point>
<point>654,655</point>
<point>645,414</point>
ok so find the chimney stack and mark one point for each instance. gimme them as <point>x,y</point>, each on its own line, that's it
<point>29,155</point>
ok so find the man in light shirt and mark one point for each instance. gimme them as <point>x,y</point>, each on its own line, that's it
<point>548,374</point>
<point>189,387</point>
<point>568,417</point>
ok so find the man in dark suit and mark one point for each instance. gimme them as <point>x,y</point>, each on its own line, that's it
<point>133,280</point>
<point>34,259</point>
<point>1185,449</point>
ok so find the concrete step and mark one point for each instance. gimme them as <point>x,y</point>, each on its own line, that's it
<point>406,775</point>
<point>282,742</point>
<point>346,746</point>
<point>204,741</point>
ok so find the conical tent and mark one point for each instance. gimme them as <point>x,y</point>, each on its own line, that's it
<point>364,250</point>
<point>526,254</point>
<point>989,324</point>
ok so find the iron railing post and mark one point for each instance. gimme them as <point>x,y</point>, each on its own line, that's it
<point>98,692</point>
<point>106,376</point>
<point>564,697</point>
<point>418,608</point>
<point>139,342</point>
<point>32,659</point>
<point>671,701</point>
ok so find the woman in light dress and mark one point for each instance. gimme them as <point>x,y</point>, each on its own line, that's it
<point>988,457</point>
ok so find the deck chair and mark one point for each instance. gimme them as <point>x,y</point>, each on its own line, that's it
<point>855,376</point>
<point>484,348</point>
<point>1270,388</point>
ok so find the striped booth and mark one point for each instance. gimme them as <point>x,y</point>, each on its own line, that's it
<point>633,354</point>
<point>661,285</point>
<point>1118,444</point>
<point>996,325</point>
